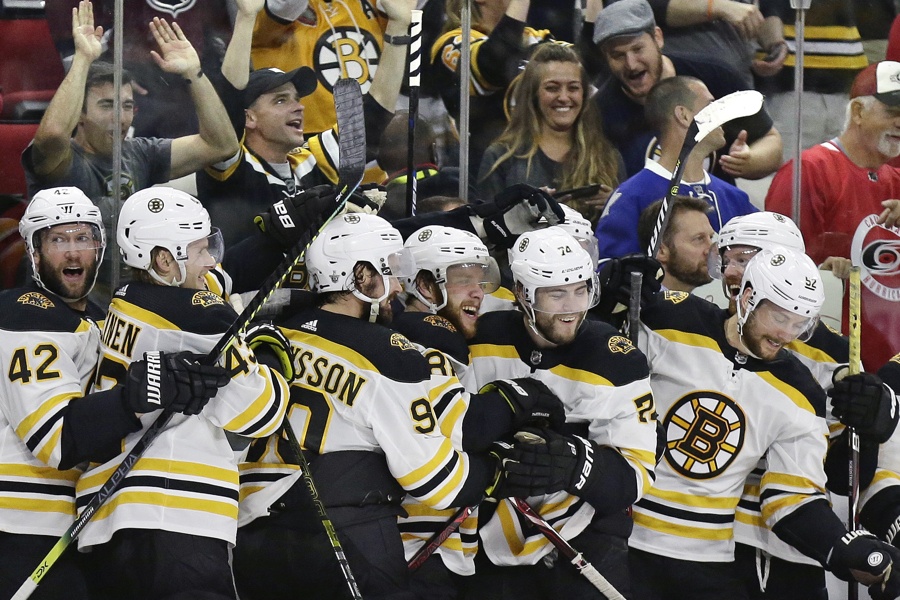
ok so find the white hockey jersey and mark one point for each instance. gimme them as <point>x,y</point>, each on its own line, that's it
<point>187,479</point>
<point>49,353</point>
<point>721,413</point>
<point>603,382</point>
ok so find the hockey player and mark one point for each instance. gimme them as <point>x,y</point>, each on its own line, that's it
<point>168,529</point>
<point>49,343</point>
<point>378,420</point>
<point>610,430</point>
<point>728,395</point>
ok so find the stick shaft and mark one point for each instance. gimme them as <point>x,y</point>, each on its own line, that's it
<point>674,183</point>
<point>439,537</point>
<point>415,71</point>
<point>855,366</point>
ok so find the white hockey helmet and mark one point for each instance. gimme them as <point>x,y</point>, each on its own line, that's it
<point>551,258</point>
<point>787,278</point>
<point>167,218</point>
<point>759,230</point>
<point>60,206</point>
<point>348,240</point>
<point>450,255</point>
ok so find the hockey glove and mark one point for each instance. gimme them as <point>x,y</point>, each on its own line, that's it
<point>861,556</point>
<point>369,200</point>
<point>543,462</point>
<point>615,281</point>
<point>271,347</point>
<point>889,587</point>
<point>287,220</point>
<point>515,210</point>
<point>176,381</point>
<point>863,402</point>
<point>531,402</point>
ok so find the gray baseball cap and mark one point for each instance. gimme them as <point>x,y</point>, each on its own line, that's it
<point>623,18</point>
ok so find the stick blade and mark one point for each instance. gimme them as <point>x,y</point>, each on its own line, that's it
<point>725,109</point>
<point>348,104</point>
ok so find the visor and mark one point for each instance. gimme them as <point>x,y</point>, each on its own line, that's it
<point>74,238</point>
<point>784,324</point>
<point>486,276</point>
<point>716,262</point>
<point>573,298</point>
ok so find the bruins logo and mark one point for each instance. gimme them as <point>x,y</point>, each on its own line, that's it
<point>351,218</point>
<point>618,343</point>
<point>424,235</point>
<point>204,298</point>
<point>704,434</point>
<point>401,342</point>
<point>36,299</point>
<point>346,51</point>
<point>777,260</point>
<point>439,322</point>
<point>155,205</point>
<point>523,244</point>
<point>675,297</point>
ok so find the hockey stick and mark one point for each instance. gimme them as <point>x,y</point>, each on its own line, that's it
<point>634,307</point>
<point>565,548</point>
<point>719,112</point>
<point>348,103</point>
<point>415,72</point>
<point>435,541</point>
<point>854,369</point>
<point>320,508</point>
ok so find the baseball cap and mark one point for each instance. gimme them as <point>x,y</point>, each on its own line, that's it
<point>881,79</point>
<point>625,17</point>
<point>264,80</point>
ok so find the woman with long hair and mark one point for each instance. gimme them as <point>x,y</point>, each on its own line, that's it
<point>554,138</point>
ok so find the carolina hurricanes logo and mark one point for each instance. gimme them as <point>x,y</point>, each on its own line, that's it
<point>877,250</point>
<point>704,434</point>
<point>172,7</point>
<point>346,49</point>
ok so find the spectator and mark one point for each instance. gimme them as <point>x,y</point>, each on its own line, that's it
<point>554,138</point>
<point>431,179</point>
<point>631,43</point>
<point>499,42</point>
<point>671,107</point>
<point>850,202</point>
<point>685,243</point>
<point>334,39</point>
<point>730,30</point>
<point>84,103</point>
<point>835,57</point>
<point>274,163</point>
<point>162,99</point>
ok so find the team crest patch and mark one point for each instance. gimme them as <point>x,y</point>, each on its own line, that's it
<point>401,342</point>
<point>523,244</point>
<point>618,343</point>
<point>351,218</point>
<point>704,434</point>
<point>438,321</point>
<point>425,235</point>
<point>155,205</point>
<point>35,299</point>
<point>675,297</point>
<point>204,298</point>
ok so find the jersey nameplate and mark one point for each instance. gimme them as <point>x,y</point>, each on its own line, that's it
<point>334,378</point>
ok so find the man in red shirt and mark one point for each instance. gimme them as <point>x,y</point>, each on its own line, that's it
<point>850,203</point>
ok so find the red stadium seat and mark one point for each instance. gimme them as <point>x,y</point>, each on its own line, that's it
<point>14,137</point>
<point>30,66</point>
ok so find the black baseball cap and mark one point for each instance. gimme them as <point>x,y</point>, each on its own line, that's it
<point>264,80</point>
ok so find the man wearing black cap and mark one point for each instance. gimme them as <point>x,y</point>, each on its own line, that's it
<point>274,162</point>
<point>626,35</point>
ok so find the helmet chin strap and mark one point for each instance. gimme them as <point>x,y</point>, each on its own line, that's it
<point>374,303</point>
<point>175,282</point>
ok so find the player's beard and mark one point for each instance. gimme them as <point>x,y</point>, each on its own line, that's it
<point>53,281</point>
<point>556,332</point>
<point>754,339</point>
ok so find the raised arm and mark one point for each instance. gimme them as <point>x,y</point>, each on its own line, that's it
<point>386,84</point>
<point>236,64</point>
<point>214,143</point>
<point>52,150</point>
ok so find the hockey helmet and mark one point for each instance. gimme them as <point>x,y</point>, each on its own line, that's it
<point>757,230</point>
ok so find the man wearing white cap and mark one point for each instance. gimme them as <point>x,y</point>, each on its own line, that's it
<point>849,203</point>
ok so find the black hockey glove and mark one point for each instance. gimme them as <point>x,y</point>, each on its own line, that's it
<point>531,402</point>
<point>176,381</point>
<point>287,220</point>
<point>271,347</point>
<point>865,403</point>
<point>861,556</point>
<point>542,462</point>
<point>515,210</point>
<point>615,281</point>
<point>889,587</point>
